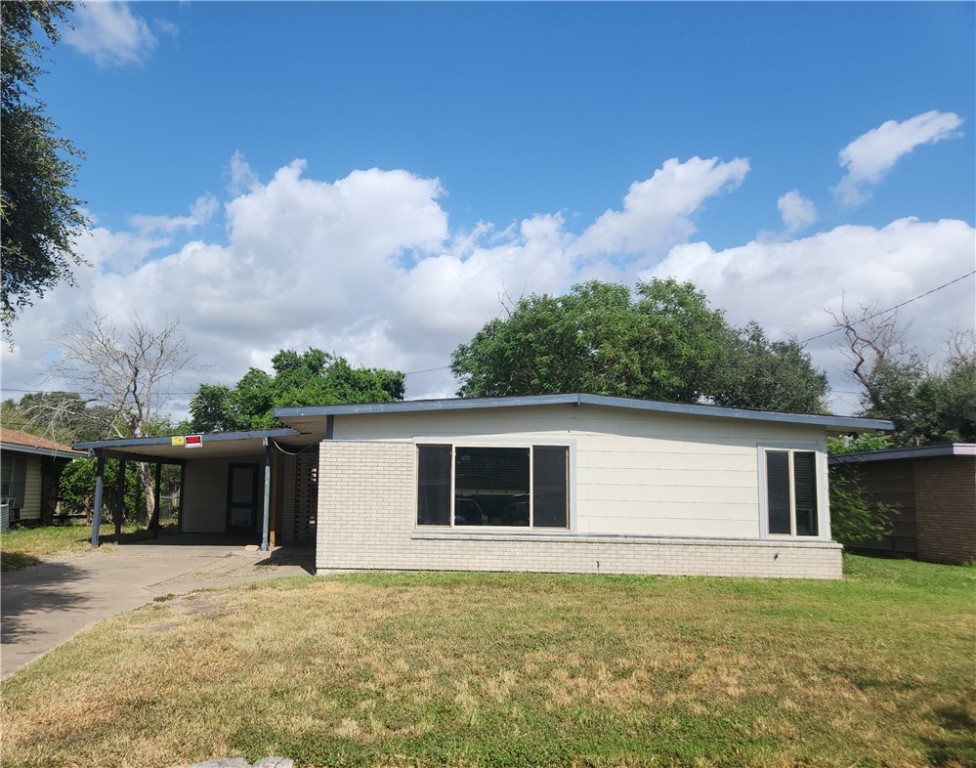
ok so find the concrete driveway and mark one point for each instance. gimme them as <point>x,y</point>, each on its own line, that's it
<point>46,604</point>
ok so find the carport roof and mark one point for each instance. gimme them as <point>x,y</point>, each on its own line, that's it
<point>173,449</point>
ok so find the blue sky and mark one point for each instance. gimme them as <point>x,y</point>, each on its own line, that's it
<point>780,156</point>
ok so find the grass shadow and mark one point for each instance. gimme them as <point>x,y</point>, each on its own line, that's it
<point>956,744</point>
<point>16,561</point>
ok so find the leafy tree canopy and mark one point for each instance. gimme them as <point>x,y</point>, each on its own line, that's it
<point>312,377</point>
<point>659,342</point>
<point>772,375</point>
<point>39,216</point>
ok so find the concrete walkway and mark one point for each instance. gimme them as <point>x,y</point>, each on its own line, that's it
<point>46,604</point>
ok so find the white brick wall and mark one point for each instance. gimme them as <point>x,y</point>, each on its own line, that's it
<point>367,508</point>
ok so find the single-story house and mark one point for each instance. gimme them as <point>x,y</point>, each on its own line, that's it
<point>29,470</point>
<point>559,483</point>
<point>934,490</point>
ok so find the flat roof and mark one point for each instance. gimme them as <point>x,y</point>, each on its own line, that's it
<point>917,452</point>
<point>174,448</point>
<point>303,417</point>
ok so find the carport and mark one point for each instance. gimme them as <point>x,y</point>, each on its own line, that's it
<point>245,484</point>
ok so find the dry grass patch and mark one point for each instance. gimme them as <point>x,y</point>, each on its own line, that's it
<point>515,670</point>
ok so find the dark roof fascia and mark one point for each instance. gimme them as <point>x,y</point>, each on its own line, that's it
<point>217,437</point>
<point>460,404</point>
<point>35,451</point>
<point>127,455</point>
<point>919,452</point>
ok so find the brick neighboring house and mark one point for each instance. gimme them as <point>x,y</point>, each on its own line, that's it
<point>934,487</point>
<point>29,470</point>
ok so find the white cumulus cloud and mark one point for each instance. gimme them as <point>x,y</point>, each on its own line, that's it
<point>657,212</point>
<point>110,33</point>
<point>201,212</point>
<point>789,286</point>
<point>869,157</point>
<point>797,211</point>
<point>368,267</point>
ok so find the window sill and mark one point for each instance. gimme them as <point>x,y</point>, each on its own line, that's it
<point>449,534</point>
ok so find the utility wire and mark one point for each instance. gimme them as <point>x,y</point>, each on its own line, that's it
<point>892,309</point>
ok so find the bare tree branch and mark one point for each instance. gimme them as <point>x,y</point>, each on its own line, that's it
<point>125,370</point>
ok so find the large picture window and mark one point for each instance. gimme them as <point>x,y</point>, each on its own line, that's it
<point>791,493</point>
<point>509,487</point>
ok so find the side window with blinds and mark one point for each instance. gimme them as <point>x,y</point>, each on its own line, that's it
<point>792,505</point>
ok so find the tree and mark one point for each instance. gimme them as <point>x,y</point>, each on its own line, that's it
<point>60,416</point>
<point>853,517</point>
<point>39,216</point>
<point>311,377</point>
<point>927,402</point>
<point>660,342</point>
<point>772,375</point>
<point>126,371</point>
<point>662,345</point>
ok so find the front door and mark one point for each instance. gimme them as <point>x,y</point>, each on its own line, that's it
<point>242,498</point>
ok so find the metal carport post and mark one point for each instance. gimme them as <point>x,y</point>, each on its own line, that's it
<point>266,523</point>
<point>99,490</point>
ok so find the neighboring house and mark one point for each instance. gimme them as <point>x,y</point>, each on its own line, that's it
<point>559,483</point>
<point>29,470</point>
<point>934,488</point>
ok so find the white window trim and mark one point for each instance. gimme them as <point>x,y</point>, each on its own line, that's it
<point>823,499</point>
<point>500,442</point>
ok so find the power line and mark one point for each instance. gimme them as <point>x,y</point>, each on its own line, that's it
<point>892,309</point>
<point>427,370</point>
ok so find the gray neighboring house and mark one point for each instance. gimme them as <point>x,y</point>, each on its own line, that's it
<point>552,483</point>
<point>934,488</point>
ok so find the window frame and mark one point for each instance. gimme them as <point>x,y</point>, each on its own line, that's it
<point>820,486</point>
<point>531,529</point>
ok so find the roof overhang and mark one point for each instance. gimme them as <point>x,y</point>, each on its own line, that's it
<point>36,451</point>
<point>313,418</point>
<point>175,450</point>
<point>919,452</point>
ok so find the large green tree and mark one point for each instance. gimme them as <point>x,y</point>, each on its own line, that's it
<point>312,377</point>
<point>661,341</point>
<point>772,375</point>
<point>40,217</point>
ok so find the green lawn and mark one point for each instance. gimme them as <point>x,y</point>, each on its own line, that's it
<point>520,670</point>
<point>21,547</point>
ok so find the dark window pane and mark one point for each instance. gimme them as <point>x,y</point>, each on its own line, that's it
<point>491,486</point>
<point>434,485</point>
<point>805,492</point>
<point>549,487</point>
<point>778,491</point>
